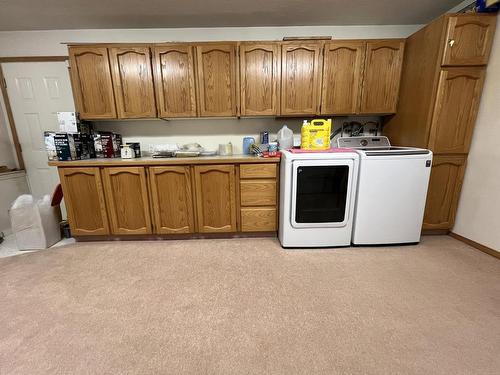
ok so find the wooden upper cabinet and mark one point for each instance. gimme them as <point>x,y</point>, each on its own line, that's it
<point>342,77</point>
<point>174,80</point>
<point>300,78</point>
<point>469,39</point>
<point>84,198</point>
<point>133,82</point>
<point>260,65</point>
<point>127,199</point>
<point>215,198</point>
<point>91,82</point>
<point>172,199</point>
<point>455,110</point>
<point>382,74</point>
<point>216,73</point>
<point>444,191</point>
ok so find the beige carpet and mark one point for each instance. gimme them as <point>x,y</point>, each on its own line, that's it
<point>249,307</point>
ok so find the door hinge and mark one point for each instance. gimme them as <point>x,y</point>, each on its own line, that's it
<point>4,82</point>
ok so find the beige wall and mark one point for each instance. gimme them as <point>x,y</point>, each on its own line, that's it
<point>478,216</point>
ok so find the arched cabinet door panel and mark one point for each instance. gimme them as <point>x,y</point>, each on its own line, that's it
<point>260,66</point>
<point>301,78</point>
<point>91,82</point>
<point>216,73</point>
<point>444,191</point>
<point>215,198</point>
<point>175,80</point>
<point>127,200</point>
<point>172,199</point>
<point>84,199</point>
<point>133,81</point>
<point>382,73</point>
<point>469,39</point>
<point>342,77</point>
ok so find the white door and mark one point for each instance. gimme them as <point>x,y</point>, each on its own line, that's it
<point>37,91</point>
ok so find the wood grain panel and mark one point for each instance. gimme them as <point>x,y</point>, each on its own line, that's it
<point>382,74</point>
<point>455,111</point>
<point>258,192</point>
<point>469,39</point>
<point>174,80</point>
<point>84,199</point>
<point>133,82</point>
<point>215,198</point>
<point>300,78</point>
<point>258,171</point>
<point>260,65</point>
<point>342,77</point>
<point>444,191</point>
<point>419,81</point>
<point>262,219</point>
<point>127,200</point>
<point>216,72</point>
<point>172,199</point>
<point>91,82</point>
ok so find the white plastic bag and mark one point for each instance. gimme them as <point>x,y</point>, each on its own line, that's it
<point>35,223</point>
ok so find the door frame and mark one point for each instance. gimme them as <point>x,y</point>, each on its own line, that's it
<point>5,97</point>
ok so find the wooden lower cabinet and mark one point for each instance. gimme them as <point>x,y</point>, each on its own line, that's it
<point>444,191</point>
<point>171,199</point>
<point>215,192</point>
<point>84,199</point>
<point>127,200</point>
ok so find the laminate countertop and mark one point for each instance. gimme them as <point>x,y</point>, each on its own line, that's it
<point>146,161</point>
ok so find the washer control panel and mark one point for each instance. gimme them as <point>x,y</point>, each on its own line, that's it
<point>363,142</point>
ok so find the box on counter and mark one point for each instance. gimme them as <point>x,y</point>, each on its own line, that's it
<point>69,122</point>
<point>65,146</point>
<point>50,145</point>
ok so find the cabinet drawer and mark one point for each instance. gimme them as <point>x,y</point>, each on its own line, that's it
<point>258,219</point>
<point>258,193</point>
<point>258,171</point>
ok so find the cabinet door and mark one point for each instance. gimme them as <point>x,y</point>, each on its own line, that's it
<point>342,77</point>
<point>215,198</point>
<point>260,78</point>
<point>444,191</point>
<point>469,39</point>
<point>300,78</point>
<point>174,80</point>
<point>172,199</point>
<point>91,81</point>
<point>84,198</point>
<point>382,74</point>
<point>216,71</point>
<point>455,110</point>
<point>127,199</point>
<point>133,82</point>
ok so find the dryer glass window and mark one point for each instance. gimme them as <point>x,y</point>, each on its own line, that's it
<point>321,194</point>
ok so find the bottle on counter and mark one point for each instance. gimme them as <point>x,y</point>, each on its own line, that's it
<point>285,138</point>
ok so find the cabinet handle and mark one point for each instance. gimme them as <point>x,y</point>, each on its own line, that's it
<point>451,42</point>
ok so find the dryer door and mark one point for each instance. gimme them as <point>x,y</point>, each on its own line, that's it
<point>321,193</point>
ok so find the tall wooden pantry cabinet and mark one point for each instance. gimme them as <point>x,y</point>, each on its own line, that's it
<point>442,79</point>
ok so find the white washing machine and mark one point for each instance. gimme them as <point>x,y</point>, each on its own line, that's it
<point>391,192</point>
<point>317,196</point>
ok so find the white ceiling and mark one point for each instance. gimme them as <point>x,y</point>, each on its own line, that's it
<point>111,14</point>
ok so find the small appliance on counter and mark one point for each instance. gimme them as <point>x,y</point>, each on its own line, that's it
<point>392,190</point>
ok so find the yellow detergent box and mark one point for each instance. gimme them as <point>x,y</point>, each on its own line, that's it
<point>315,135</point>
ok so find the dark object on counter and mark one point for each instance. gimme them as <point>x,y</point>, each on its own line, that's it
<point>65,146</point>
<point>117,144</point>
<point>136,146</point>
<point>106,144</point>
<point>78,145</point>
<point>264,138</point>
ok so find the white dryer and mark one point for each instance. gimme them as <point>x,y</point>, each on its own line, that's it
<point>391,192</point>
<point>317,196</point>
